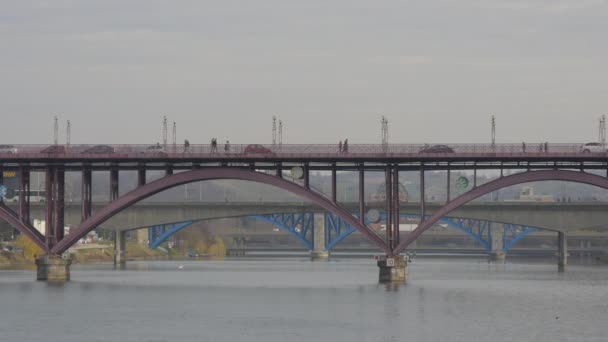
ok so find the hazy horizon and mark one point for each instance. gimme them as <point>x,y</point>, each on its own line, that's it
<point>329,69</point>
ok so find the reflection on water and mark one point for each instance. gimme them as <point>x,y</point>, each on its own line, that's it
<point>298,300</point>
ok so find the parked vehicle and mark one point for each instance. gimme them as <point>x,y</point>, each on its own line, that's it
<point>592,147</point>
<point>99,149</point>
<point>437,149</point>
<point>54,149</point>
<point>8,149</point>
<point>257,149</point>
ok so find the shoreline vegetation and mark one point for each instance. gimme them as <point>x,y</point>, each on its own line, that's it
<point>104,252</point>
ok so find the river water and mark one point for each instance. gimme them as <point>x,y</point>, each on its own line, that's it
<point>294,299</point>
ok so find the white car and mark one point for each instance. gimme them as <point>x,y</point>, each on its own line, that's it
<point>592,147</point>
<point>154,149</point>
<point>9,149</point>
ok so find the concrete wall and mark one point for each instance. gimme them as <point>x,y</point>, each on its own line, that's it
<point>553,216</point>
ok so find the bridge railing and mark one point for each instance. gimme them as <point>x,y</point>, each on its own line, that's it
<point>229,150</point>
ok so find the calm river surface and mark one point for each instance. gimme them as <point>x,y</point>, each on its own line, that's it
<point>298,300</point>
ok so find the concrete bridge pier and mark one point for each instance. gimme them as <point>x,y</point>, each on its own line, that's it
<point>120,248</point>
<point>318,251</point>
<point>393,269</point>
<point>53,268</point>
<point>496,253</point>
<point>562,251</point>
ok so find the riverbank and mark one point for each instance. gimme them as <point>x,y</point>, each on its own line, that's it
<point>85,254</point>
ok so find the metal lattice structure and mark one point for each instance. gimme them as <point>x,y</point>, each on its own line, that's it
<point>302,227</point>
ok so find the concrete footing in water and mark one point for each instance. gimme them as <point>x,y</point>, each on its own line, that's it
<point>53,268</point>
<point>497,256</point>
<point>319,255</point>
<point>393,269</point>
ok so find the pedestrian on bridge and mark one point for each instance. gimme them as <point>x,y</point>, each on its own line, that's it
<point>546,147</point>
<point>227,146</point>
<point>523,147</point>
<point>186,145</point>
<point>340,147</point>
<point>345,146</point>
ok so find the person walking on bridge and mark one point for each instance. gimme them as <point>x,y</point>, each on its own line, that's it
<point>213,145</point>
<point>345,146</point>
<point>340,147</point>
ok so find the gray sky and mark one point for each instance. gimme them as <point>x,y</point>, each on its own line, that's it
<point>328,69</point>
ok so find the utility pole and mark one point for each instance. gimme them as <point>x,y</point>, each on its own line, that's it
<point>68,131</point>
<point>274,130</point>
<point>165,131</point>
<point>174,133</point>
<point>602,133</point>
<point>493,122</point>
<point>56,131</point>
<point>384,130</point>
<point>280,133</point>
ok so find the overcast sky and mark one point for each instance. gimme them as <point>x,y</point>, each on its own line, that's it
<point>328,69</point>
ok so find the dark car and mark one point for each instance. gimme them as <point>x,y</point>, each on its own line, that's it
<point>54,149</point>
<point>99,149</point>
<point>257,149</point>
<point>437,149</point>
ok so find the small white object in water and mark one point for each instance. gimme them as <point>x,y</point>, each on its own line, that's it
<point>180,267</point>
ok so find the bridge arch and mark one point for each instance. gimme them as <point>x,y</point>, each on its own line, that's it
<point>9,216</point>
<point>518,178</point>
<point>181,178</point>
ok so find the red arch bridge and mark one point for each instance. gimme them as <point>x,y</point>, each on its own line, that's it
<point>267,165</point>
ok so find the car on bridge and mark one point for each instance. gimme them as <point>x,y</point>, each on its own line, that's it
<point>157,149</point>
<point>258,149</point>
<point>437,149</point>
<point>99,149</point>
<point>54,149</point>
<point>8,149</point>
<point>592,147</point>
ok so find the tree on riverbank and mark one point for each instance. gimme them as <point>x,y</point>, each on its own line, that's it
<point>218,248</point>
<point>29,249</point>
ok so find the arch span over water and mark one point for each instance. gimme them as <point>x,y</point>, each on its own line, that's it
<point>518,178</point>
<point>171,181</point>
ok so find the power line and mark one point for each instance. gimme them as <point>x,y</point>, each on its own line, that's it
<point>68,130</point>
<point>493,123</point>
<point>174,133</point>
<point>384,130</point>
<point>602,131</point>
<point>280,132</point>
<point>165,131</point>
<point>274,130</point>
<point>56,130</point>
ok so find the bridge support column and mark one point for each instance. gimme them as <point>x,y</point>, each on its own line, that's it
<point>120,248</point>
<point>496,239</point>
<point>562,251</point>
<point>53,268</point>
<point>318,251</point>
<point>393,269</point>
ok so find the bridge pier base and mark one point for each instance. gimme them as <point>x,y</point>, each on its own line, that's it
<point>393,269</point>
<point>497,256</point>
<point>120,248</point>
<point>562,251</point>
<point>53,268</point>
<point>319,252</point>
<point>497,243</point>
